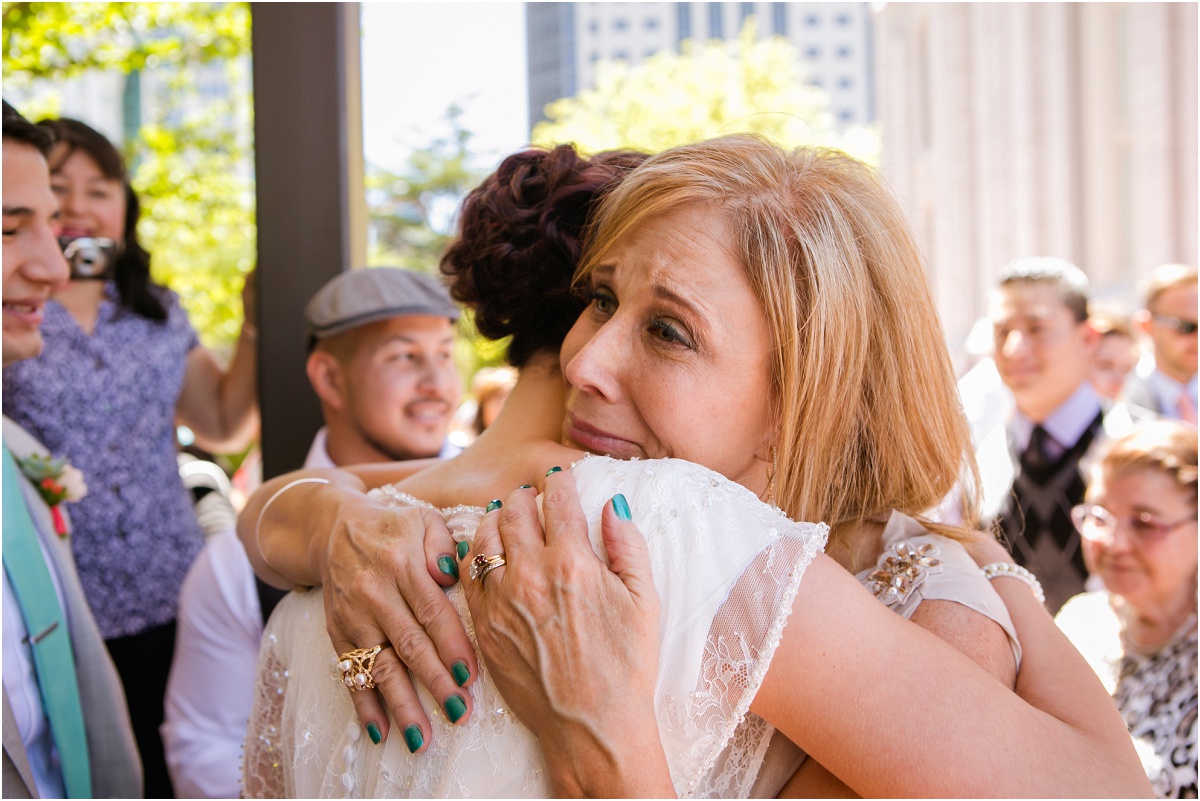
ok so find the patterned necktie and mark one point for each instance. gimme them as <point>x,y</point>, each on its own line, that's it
<point>48,637</point>
<point>1036,456</point>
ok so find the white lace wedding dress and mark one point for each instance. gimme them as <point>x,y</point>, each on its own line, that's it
<point>726,567</point>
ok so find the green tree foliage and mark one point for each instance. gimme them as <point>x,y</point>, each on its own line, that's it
<point>191,155</point>
<point>412,212</point>
<point>63,40</point>
<point>413,218</point>
<point>710,89</point>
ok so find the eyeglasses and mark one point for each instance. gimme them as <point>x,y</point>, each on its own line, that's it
<point>1097,524</point>
<point>1185,327</point>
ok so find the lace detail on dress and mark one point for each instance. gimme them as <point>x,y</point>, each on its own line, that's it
<point>262,774</point>
<point>727,569</point>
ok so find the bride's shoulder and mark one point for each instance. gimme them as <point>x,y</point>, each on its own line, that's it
<point>680,485</point>
<point>669,473</point>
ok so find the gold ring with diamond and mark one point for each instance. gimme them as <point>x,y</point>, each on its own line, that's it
<point>356,665</point>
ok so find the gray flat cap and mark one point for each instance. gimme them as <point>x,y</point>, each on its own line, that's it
<point>364,296</point>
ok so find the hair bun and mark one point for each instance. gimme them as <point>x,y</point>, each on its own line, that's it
<point>520,241</point>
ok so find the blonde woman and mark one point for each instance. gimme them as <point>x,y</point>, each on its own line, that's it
<point>717,332</point>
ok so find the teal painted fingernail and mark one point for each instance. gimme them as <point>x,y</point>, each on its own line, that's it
<point>621,507</point>
<point>373,733</point>
<point>525,486</point>
<point>413,738</point>
<point>447,566</point>
<point>460,672</point>
<point>553,470</point>
<point>493,506</point>
<point>455,708</point>
<point>462,549</point>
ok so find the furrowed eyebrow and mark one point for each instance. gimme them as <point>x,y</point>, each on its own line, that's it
<point>17,211</point>
<point>669,294</point>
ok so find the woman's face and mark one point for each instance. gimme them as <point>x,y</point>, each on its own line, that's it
<point>671,356</point>
<point>1144,572</point>
<point>91,204</point>
<point>1115,357</point>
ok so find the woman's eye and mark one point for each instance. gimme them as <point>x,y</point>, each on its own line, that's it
<point>603,302</point>
<point>1144,524</point>
<point>667,332</point>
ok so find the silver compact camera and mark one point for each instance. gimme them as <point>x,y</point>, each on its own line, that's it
<point>89,257</point>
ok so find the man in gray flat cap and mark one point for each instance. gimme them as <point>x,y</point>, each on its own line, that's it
<point>381,360</point>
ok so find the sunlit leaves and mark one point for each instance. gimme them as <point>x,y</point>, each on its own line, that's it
<point>710,89</point>
<point>192,159</point>
<point>64,40</point>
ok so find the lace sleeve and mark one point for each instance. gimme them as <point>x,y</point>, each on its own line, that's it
<point>262,774</point>
<point>727,568</point>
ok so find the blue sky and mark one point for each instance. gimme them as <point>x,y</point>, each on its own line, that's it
<point>418,58</point>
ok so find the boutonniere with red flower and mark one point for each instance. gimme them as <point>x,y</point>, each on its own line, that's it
<point>56,481</point>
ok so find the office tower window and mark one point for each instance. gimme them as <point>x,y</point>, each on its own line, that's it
<point>620,24</point>
<point>683,21</point>
<point>812,51</point>
<point>845,82</point>
<point>716,21</point>
<point>812,21</point>
<point>779,18</point>
<point>843,52</point>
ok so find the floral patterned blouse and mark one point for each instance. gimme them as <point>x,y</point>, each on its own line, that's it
<point>107,403</point>
<point>1156,692</point>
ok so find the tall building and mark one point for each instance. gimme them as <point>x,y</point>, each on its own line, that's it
<point>567,41</point>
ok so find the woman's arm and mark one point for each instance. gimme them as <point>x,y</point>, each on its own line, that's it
<point>382,569</point>
<point>1053,673</point>
<point>221,406</point>
<point>933,722</point>
<point>887,707</point>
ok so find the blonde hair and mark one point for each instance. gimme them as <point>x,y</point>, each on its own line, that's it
<point>1167,446</point>
<point>1167,276</point>
<point>863,388</point>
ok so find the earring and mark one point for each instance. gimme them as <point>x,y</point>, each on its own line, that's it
<point>772,468</point>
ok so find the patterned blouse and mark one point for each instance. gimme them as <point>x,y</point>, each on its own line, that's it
<point>1156,693</point>
<point>107,403</point>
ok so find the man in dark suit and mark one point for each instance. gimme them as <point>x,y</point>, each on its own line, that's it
<point>1166,384</point>
<point>66,726</point>
<point>1030,460</point>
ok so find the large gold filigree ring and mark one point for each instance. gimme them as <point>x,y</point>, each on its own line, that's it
<point>481,565</point>
<point>356,665</point>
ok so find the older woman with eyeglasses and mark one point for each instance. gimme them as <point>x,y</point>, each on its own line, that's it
<point>1139,634</point>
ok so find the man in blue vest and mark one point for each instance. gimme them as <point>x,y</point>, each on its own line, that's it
<point>66,727</point>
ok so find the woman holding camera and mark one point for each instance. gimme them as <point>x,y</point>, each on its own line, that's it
<point>121,367</point>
